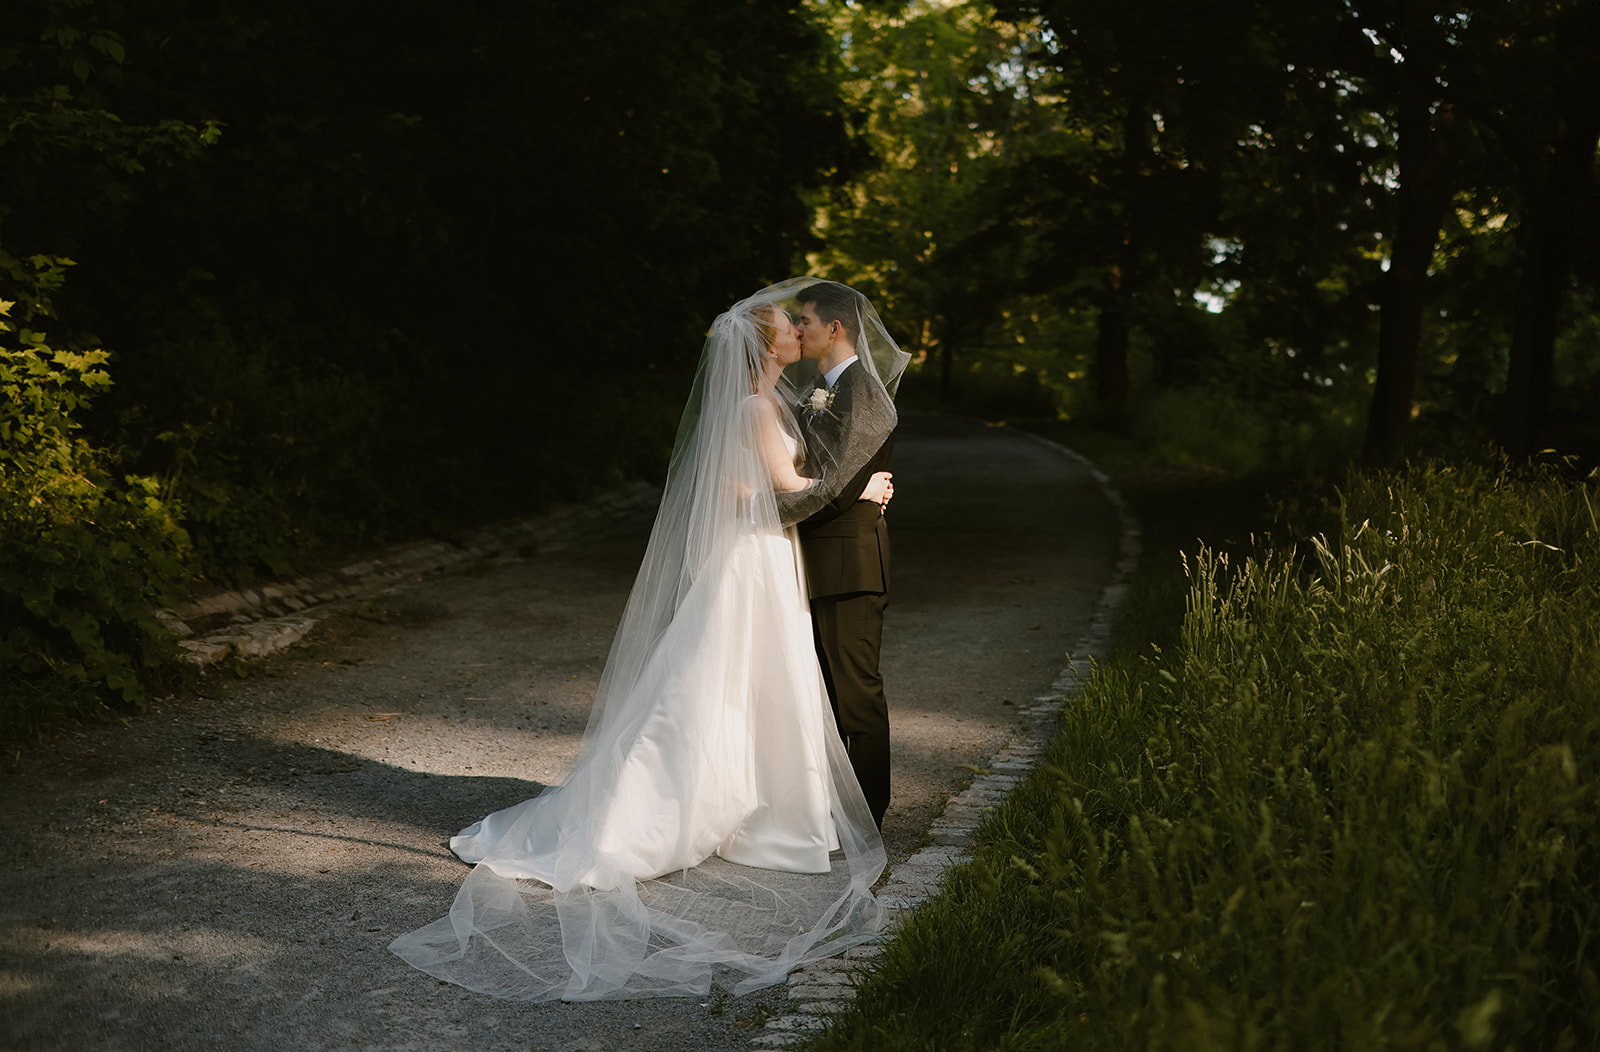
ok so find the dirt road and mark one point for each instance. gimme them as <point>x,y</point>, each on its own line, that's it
<point>227,870</point>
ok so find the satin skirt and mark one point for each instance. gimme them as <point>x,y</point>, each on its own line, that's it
<point>730,758</point>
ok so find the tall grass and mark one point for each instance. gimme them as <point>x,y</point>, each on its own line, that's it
<point>1352,807</point>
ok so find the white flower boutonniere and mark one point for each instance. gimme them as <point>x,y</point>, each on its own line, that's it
<point>821,398</point>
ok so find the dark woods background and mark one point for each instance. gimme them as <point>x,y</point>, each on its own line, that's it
<point>371,271</point>
<point>364,271</point>
<point>442,261</point>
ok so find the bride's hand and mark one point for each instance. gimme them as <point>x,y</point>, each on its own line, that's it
<point>879,489</point>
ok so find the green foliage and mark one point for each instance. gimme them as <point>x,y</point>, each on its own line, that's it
<point>1135,198</point>
<point>943,100</point>
<point>1352,807</point>
<point>1215,426</point>
<point>88,554</point>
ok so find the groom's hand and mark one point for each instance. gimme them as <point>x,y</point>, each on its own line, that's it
<point>879,489</point>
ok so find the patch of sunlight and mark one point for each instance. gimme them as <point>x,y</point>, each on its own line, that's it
<point>207,946</point>
<point>425,745</point>
<point>14,985</point>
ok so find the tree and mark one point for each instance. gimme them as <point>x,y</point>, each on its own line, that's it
<point>1420,40</point>
<point>942,100</point>
<point>1563,200</point>
<point>1316,151</point>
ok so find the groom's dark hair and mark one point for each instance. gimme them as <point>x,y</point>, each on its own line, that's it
<point>836,302</point>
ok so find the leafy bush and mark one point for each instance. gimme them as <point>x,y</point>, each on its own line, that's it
<point>87,555</point>
<point>1354,807</point>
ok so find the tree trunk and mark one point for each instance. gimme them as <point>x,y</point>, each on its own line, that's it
<point>1424,153</point>
<point>1111,349</point>
<point>946,360</point>
<point>1116,298</point>
<point>1568,172</point>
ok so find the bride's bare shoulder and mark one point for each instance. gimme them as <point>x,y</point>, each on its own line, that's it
<point>762,406</point>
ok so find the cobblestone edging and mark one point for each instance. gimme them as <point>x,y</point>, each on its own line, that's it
<point>272,617</point>
<point>825,988</point>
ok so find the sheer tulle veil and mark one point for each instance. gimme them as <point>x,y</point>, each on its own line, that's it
<point>554,908</point>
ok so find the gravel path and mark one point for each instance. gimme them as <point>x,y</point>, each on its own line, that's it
<point>227,870</point>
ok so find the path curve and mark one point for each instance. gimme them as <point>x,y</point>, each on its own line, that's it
<point>229,868</point>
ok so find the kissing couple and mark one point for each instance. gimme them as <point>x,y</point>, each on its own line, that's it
<point>724,806</point>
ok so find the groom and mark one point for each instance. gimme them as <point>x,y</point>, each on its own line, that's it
<point>846,544</point>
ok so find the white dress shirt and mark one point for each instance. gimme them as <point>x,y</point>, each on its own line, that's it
<point>831,377</point>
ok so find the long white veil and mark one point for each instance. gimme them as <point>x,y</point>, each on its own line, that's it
<point>555,907</point>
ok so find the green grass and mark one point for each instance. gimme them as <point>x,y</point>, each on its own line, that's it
<point>1350,803</point>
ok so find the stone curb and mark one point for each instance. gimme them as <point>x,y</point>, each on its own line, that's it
<point>275,616</point>
<point>823,989</point>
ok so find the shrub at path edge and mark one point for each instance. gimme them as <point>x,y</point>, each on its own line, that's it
<point>87,556</point>
<point>1353,808</point>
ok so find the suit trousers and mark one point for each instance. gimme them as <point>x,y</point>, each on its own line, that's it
<point>849,635</point>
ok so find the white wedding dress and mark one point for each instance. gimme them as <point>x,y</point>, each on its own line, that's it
<point>730,758</point>
<point>718,770</point>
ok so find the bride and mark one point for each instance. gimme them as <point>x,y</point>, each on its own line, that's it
<point>711,817</point>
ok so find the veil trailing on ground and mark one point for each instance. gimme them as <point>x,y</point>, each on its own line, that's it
<point>624,879</point>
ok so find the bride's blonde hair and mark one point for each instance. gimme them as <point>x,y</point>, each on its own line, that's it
<point>765,319</point>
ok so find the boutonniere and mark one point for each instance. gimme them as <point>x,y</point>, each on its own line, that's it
<point>821,398</point>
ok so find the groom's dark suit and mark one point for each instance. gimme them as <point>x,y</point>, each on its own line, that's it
<point>846,549</point>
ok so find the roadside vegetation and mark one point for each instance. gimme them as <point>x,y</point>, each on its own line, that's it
<point>1347,802</point>
<point>90,551</point>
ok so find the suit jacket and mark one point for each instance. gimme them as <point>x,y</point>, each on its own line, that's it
<point>846,543</point>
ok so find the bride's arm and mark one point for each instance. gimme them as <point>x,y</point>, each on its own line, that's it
<point>780,464</point>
